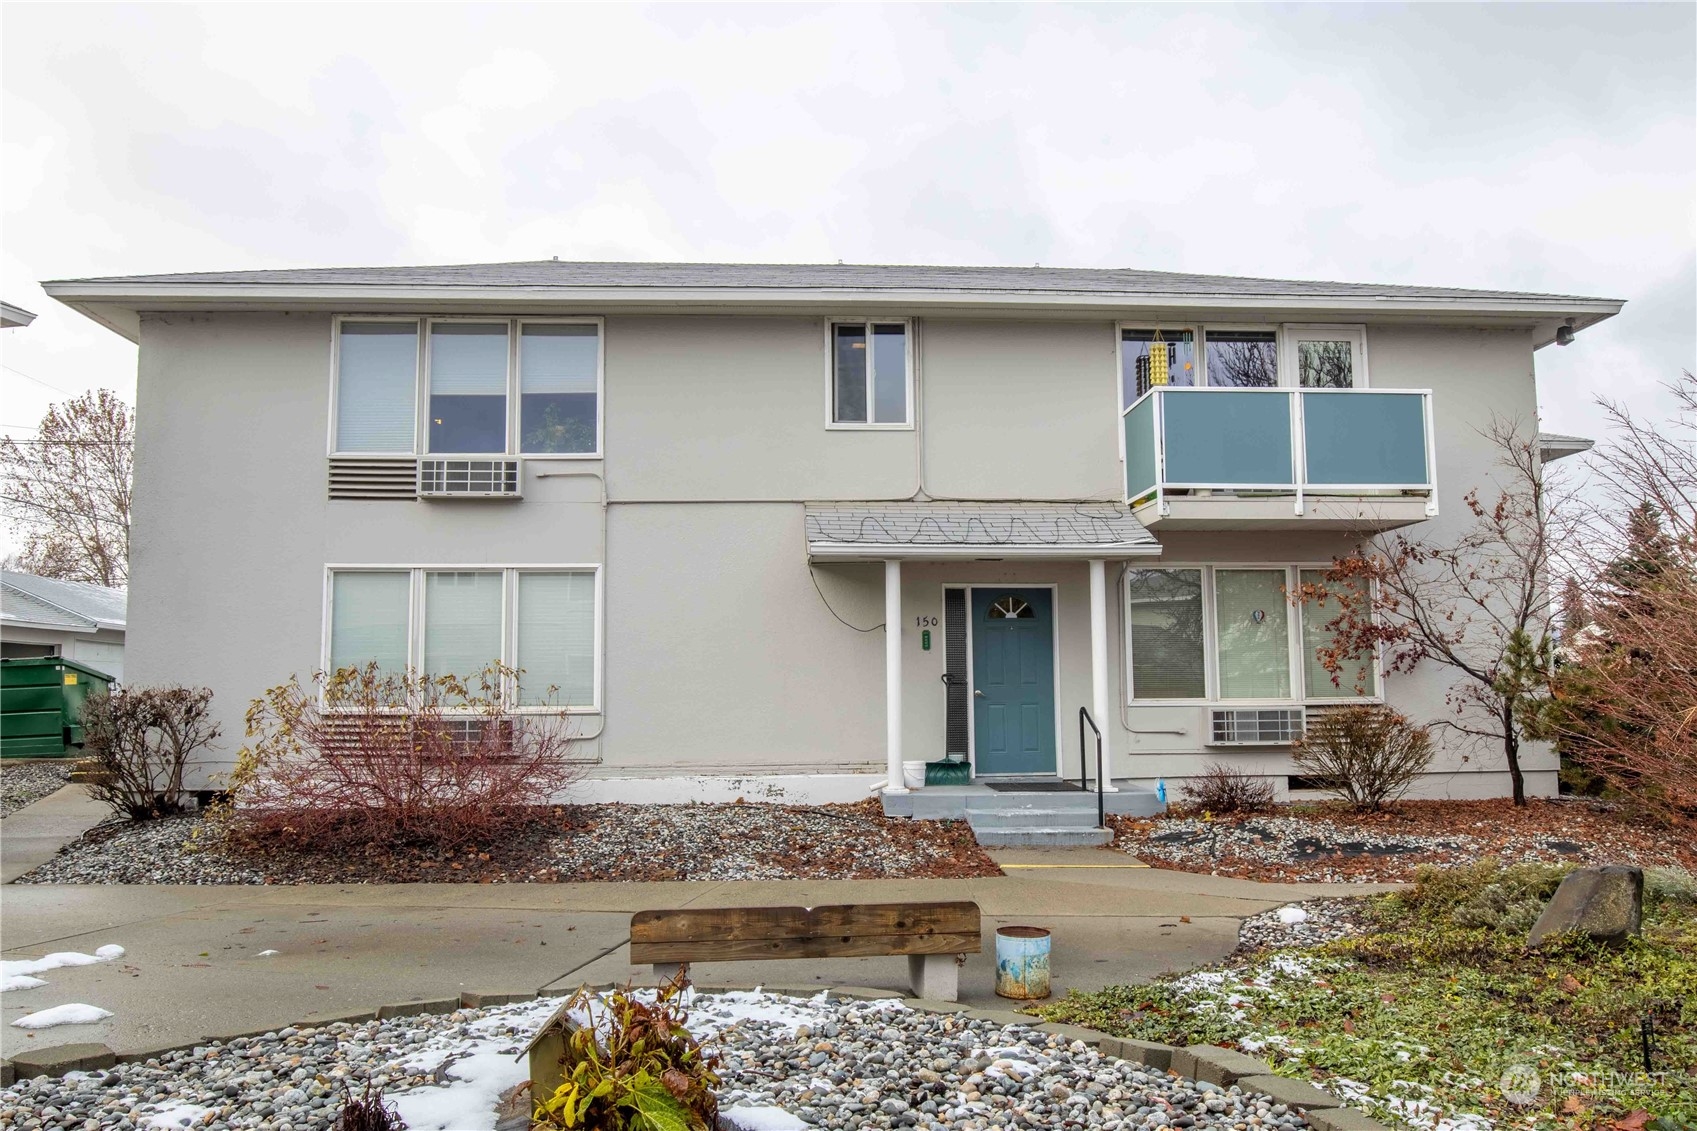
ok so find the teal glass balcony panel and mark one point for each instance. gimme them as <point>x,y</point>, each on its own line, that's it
<point>1364,439</point>
<point>1139,424</point>
<point>1224,438</point>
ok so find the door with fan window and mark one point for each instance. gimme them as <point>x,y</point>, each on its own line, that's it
<point>1013,681</point>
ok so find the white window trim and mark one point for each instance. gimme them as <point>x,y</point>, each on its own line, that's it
<point>515,384</point>
<point>509,613</point>
<point>1290,375</point>
<point>1210,644</point>
<point>831,421</point>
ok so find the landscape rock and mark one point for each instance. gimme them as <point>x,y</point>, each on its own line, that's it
<point>1606,904</point>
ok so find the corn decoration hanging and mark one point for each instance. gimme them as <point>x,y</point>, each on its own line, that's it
<point>1158,360</point>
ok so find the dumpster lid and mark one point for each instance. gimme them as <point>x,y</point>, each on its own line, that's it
<point>58,662</point>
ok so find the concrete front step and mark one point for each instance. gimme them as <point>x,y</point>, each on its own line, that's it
<point>1031,818</point>
<point>1042,837</point>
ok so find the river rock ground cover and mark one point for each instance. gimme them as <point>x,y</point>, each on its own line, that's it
<point>568,844</point>
<point>1325,842</point>
<point>1426,1008</point>
<point>829,1063</point>
<point>22,783</point>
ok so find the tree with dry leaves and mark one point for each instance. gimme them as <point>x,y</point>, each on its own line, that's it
<point>1478,605</point>
<point>1625,703</point>
<point>67,491</point>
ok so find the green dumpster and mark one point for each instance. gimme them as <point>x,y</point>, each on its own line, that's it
<point>40,700</point>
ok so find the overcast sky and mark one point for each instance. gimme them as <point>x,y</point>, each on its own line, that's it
<point>1545,148</point>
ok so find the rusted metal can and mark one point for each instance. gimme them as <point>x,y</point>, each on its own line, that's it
<point>1022,963</point>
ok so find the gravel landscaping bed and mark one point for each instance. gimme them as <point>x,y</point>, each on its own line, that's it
<point>831,1063</point>
<point>22,783</point>
<point>1329,843</point>
<point>1310,923</point>
<point>576,844</point>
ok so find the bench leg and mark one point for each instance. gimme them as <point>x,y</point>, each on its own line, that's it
<point>934,976</point>
<point>666,971</point>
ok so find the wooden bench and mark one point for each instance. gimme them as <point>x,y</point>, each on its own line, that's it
<point>930,934</point>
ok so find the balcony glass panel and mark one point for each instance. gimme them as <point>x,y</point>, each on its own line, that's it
<point>1363,439</point>
<point>1227,438</point>
<point>1140,448</point>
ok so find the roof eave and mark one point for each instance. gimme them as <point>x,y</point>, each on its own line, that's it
<point>118,307</point>
<point>907,551</point>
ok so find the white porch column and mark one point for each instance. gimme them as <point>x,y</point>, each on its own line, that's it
<point>1099,673</point>
<point>893,674</point>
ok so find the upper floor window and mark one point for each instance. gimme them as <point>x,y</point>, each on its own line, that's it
<point>1241,357</point>
<point>871,375</point>
<point>453,386</point>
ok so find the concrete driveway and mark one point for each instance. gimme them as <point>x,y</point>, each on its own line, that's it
<point>193,967</point>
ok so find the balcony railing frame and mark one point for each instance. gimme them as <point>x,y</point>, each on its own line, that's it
<point>1298,487</point>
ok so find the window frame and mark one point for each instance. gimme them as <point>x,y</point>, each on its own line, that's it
<point>1210,641</point>
<point>1280,380</point>
<point>832,424</point>
<point>515,324</point>
<point>509,619</point>
<point>1291,333</point>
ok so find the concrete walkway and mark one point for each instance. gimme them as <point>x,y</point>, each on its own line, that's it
<point>193,967</point>
<point>33,834</point>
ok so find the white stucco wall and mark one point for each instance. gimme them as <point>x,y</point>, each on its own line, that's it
<point>720,656</point>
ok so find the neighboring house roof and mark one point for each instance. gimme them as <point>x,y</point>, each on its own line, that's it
<point>12,316</point>
<point>74,606</point>
<point>1553,446</point>
<point>115,300</point>
<point>942,529</point>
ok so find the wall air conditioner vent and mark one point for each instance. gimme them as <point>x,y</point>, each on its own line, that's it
<point>469,479</point>
<point>353,478</point>
<point>1254,726</point>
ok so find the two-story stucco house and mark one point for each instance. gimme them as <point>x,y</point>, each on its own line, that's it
<point>778,530</point>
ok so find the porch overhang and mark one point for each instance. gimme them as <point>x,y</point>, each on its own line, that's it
<point>938,530</point>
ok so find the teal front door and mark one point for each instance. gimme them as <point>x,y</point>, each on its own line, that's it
<point>1013,680</point>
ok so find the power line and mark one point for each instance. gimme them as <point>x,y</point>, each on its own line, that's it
<point>39,381</point>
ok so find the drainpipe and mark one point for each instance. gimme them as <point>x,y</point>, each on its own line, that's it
<point>893,674</point>
<point>1099,668</point>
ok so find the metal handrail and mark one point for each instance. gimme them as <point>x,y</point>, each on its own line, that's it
<point>1101,797</point>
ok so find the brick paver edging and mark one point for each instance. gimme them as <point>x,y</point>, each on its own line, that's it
<point>1209,1063</point>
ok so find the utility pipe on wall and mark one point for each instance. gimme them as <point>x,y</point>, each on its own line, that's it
<point>893,674</point>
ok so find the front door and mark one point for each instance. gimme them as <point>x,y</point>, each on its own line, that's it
<point>1013,680</point>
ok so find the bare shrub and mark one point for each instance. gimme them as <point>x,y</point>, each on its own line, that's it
<point>137,743</point>
<point>1220,788</point>
<point>1368,755</point>
<point>364,757</point>
<point>367,1112</point>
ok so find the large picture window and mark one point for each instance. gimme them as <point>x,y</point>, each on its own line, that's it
<point>503,386</point>
<point>1241,357</point>
<point>442,621</point>
<point>1231,633</point>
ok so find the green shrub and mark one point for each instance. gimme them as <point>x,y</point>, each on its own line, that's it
<point>1484,895</point>
<point>1670,888</point>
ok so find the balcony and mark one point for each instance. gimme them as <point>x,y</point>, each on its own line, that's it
<point>1267,459</point>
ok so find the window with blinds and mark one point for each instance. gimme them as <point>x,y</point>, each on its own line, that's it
<point>540,622</point>
<point>377,387</point>
<point>559,388</point>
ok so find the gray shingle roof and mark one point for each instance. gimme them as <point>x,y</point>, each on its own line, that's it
<point>70,604</point>
<point>819,276</point>
<point>1102,528</point>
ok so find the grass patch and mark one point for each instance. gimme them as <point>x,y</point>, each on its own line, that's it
<point>1417,1020</point>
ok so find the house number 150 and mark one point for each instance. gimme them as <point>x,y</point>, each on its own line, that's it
<point>925,622</point>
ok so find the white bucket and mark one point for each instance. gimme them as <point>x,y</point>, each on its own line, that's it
<point>913,774</point>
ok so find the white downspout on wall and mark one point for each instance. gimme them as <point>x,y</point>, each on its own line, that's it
<point>1099,672</point>
<point>893,674</point>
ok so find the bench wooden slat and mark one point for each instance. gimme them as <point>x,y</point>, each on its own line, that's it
<point>825,946</point>
<point>703,924</point>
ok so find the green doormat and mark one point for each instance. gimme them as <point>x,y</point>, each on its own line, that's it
<point>948,772</point>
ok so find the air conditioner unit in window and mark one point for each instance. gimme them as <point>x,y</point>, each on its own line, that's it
<point>470,479</point>
<point>1254,726</point>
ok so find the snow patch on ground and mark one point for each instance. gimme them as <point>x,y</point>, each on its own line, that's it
<point>20,982</point>
<point>57,960</point>
<point>175,1116</point>
<point>747,1118</point>
<point>72,1014</point>
<point>108,952</point>
<point>1292,914</point>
